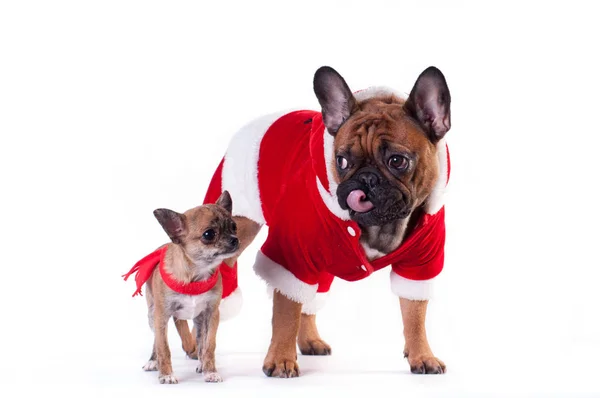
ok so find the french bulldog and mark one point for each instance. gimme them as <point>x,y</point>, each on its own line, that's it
<point>345,191</point>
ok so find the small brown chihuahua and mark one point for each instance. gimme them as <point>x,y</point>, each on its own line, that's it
<point>183,282</point>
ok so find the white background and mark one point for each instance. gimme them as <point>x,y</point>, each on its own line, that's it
<point>111,109</point>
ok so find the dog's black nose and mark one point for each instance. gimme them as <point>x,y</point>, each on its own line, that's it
<point>369,179</point>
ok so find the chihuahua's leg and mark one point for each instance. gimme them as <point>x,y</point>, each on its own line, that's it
<point>281,357</point>
<point>206,325</point>
<point>200,324</point>
<point>161,345</point>
<point>309,340</point>
<point>152,363</point>
<point>188,340</point>
<point>416,347</point>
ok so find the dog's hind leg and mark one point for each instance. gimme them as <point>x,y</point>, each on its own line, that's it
<point>246,231</point>
<point>309,340</point>
<point>187,340</point>
<point>152,363</point>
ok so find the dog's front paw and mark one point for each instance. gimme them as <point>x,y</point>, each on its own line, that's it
<point>281,367</point>
<point>314,347</point>
<point>424,363</point>
<point>212,377</point>
<point>150,366</point>
<point>167,379</point>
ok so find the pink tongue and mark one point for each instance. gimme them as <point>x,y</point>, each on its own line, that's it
<point>356,200</point>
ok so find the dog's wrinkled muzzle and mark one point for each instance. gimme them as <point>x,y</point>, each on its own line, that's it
<point>372,199</point>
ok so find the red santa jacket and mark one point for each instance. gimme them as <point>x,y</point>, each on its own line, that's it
<point>278,172</point>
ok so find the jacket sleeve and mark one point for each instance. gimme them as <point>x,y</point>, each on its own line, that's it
<point>412,277</point>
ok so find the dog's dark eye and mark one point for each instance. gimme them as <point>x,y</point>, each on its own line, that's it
<point>342,163</point>
<point>209,235</point>
<point>398,162</point>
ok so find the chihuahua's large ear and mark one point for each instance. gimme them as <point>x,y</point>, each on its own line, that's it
<point>429,103</point>
<point>335,97</point>
<point>172,222</point>
<point>225,201</point>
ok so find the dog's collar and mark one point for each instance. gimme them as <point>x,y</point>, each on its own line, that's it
<point>191,288</point>
<point>144,268</point>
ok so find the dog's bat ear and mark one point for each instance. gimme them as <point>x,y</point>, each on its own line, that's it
<point>225,201</point>
<point>429,103</point>
<point>172,222</point>
<point>335,97</point>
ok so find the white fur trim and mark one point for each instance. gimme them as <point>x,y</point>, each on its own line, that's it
<point>332,203</point>
<point>240,169</point>
<point>313,306</point>
<point>283,280</point>
<point>436,198</point>
<point>409,289</point>
<point>330,198</point>
<point>376,91</point>
<point>328,151</point>
<point>231,305</point>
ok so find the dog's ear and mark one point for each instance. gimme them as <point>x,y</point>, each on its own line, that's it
<point>429,103</point>
<point>225,201</point>
<point>335,97</point>
<point>173,223</point>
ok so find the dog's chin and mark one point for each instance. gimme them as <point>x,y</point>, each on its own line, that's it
<point>375,217</point>
<point>225,254</point>
<point>214,259</point>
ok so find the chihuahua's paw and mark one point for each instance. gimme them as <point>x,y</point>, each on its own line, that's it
<point>212,377</point>
<point>150,366</point>
<point>425,364</point>
<point>314,347</point>
<point>167,379</point>
<point>281,367</point>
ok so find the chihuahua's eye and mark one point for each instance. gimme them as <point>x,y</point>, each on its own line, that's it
<point>342,163</point>
<point>398,162</point>
<point>209,235</point>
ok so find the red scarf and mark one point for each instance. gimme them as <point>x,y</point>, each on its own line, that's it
<point>145,267</point>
